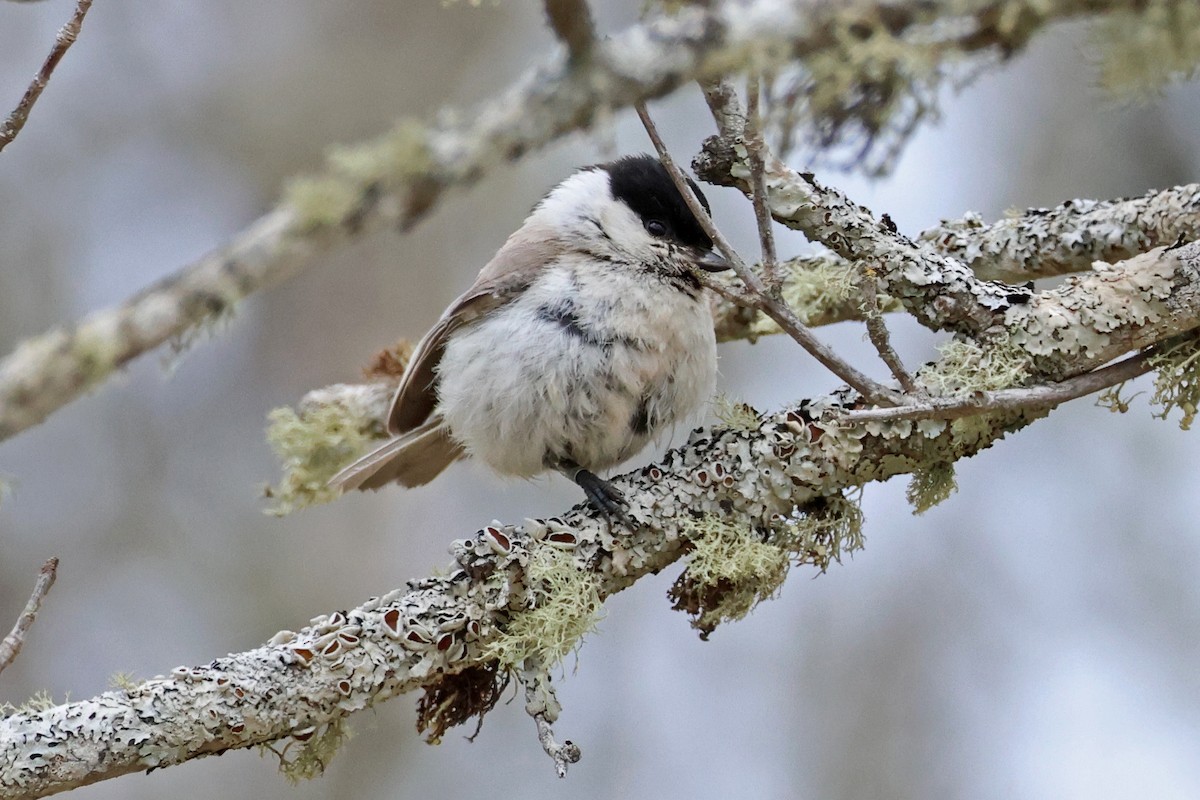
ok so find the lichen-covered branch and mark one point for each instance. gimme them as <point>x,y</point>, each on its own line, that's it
<point>766,473</point>
<point>392,181</point>
<point>571,21</point>
<point>44,373</point>
<point>396,179</point>
<point>939,291</point>
<point>1037,243</point>
<point>752,476</point>
<point>1043,242</point>
<point>63,40</point>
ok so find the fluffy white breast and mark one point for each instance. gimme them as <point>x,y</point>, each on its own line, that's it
<point>587,365</point>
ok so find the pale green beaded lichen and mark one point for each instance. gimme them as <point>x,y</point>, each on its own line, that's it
<point>566,607</point>
<point>312,446</point>
<point>1177,382</point>
<point>967,366</point>
<point>930,486</point>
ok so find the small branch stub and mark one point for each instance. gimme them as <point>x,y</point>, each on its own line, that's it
<point>62,42</point>
<point>10,647</point>
<point>542,705</point>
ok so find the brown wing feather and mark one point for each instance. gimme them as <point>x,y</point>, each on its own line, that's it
<point>413,459</point>
<point>512,269</point>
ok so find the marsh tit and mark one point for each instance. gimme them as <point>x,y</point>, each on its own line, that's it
<point>584,337</point>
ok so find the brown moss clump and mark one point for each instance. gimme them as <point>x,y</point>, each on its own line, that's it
<point>456,698</point>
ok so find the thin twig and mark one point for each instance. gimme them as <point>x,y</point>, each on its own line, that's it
<point>542,705</point>
<point>62,42</point>
<point>877,332</point>
<point>780,313</point>
<point>722,101</point>
<point>755,146</point>
<point>564,754</point>
<point>11,646</point>
<point>1032,397</point>
<point>572,24</point>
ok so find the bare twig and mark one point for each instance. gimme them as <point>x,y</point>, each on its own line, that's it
<point>1007,400</point>
<point>733,124</point>
<point>62,42</point>
<point>755,147</point>
<point>877,332</point>
<point>542,706</point>
<point>572,24</point>
<point>11,646</point>
<point>759,294</point>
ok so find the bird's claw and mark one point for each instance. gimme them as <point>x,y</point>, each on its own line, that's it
<point>605,498</point>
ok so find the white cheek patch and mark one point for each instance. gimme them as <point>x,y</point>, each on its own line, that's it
<point>583,200</point>
<point>626,229</point>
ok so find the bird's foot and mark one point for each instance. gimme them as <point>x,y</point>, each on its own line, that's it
<point>603,496</point>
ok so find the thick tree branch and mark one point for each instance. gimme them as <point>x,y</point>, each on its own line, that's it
<point>751,476</point>
<point>423,636</point>
<point>11,646</point>
<point>66,37</point>
<point>1043,242</point>
<point>1038,243</point>
<point>913,274</point>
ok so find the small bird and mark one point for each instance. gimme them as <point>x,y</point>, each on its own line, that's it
<point>584,337</point>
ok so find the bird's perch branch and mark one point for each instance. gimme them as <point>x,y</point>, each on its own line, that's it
<point>753,475</point>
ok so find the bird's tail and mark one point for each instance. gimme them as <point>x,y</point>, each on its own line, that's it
<point>410,459</point>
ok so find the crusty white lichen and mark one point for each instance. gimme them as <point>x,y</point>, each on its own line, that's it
<point>1081,316</point>
<point>1043,242</point>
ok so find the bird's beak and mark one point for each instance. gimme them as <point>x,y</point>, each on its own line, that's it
<point>712,261</point>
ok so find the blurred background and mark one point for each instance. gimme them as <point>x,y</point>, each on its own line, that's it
<point>1036,636</point>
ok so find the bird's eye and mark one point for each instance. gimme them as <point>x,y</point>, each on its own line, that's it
<point>656,227</point>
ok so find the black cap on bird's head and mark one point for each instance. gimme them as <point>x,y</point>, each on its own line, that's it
<point>643,184</point>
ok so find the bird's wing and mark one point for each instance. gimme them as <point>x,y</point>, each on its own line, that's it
<point>509,272</point>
